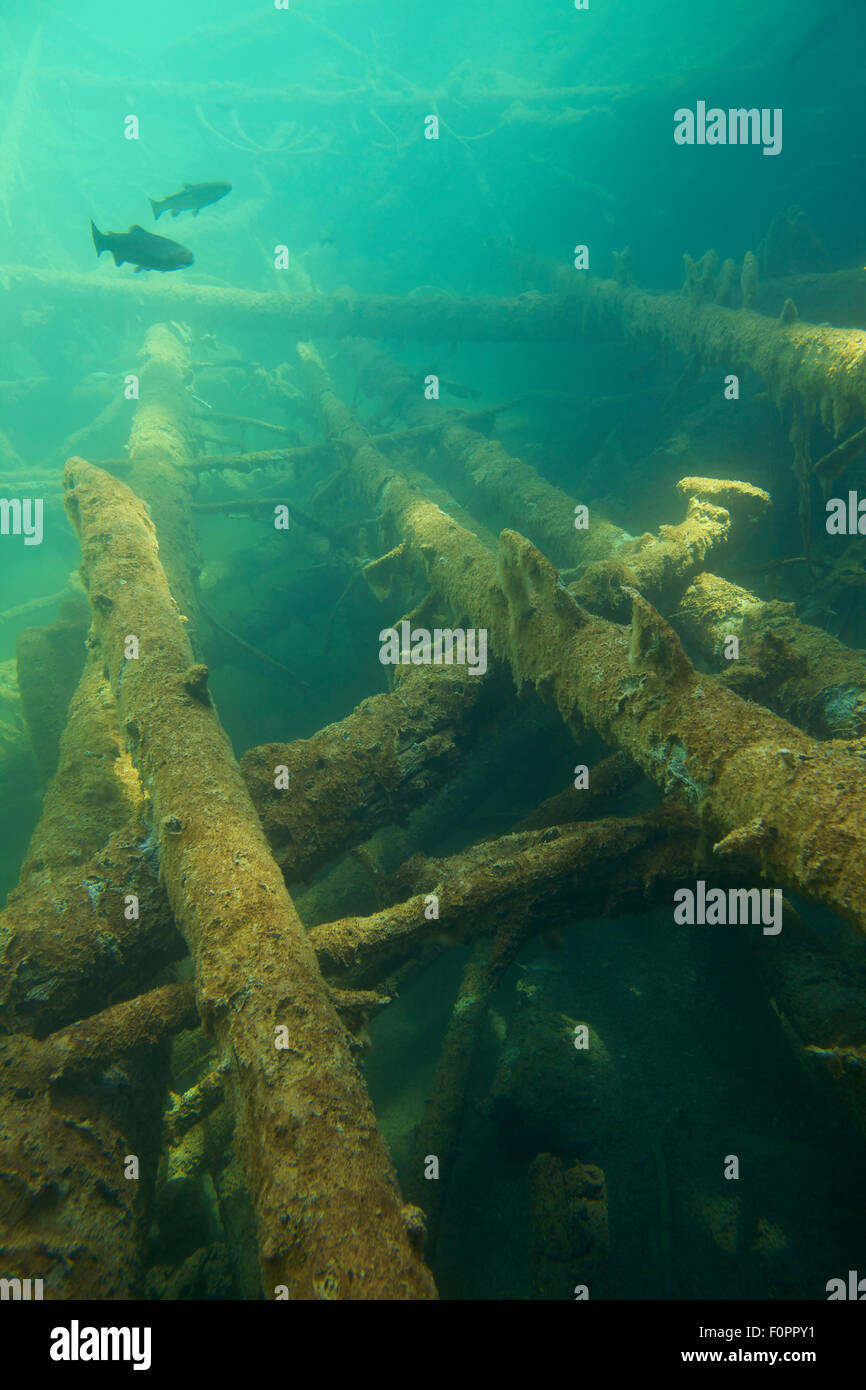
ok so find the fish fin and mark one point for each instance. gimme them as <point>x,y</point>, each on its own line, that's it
<point>118,257</point>
<point>135,228</point>
<point>138,270</point>
<point>156,208</point>
<point>175,212</point>
<point>98,238</point>
<point>187,185</point>
<point>196,211</point>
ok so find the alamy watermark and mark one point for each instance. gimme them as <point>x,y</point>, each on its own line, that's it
<point>443,646</point>
<point>738,906</point>
<point>77,1343</point>
<point>25,1290</point>
<point>22,517</point>
<point>737,126</point>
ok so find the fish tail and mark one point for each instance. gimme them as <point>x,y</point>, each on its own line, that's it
<point>157,207</point>
<point>99,240</point>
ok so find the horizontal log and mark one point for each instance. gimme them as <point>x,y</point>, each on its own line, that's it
<point>430,318</point>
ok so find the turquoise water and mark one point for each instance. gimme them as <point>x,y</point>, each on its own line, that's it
<point>555,131</point>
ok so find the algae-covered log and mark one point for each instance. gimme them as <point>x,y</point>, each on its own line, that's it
<point>369,769</point>
<point>160,448</point>
<point>824,368</point>
<point>89,919</point>
<point>802,672</point>
<point>798,670</point>
<point>77,1109</point>
<point>514,886</point>
<point>820,367</point>
<point>569,1233</point>
<point>439,1132</point>
<point>329,1214</point>
<point>435,317</point>
<point>505,484</point>
<point>607,556</point>
<point>742,765</point>
<point>798,804</point>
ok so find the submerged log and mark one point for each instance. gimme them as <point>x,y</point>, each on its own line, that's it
<point>741,765</point>
<point>821,367</point>
<point>329,1214</point>
<point>77,1108</point>
<point>799,804</point>
<point>513,887</point>
<point>800,671</point>
<point>443,317</point>
<point>369,769</point>
<point>160,447</point>
<point>70,939</point>
<point>439,1132</point>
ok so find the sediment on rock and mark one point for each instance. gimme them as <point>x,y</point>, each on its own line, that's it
<point>569,1233</point>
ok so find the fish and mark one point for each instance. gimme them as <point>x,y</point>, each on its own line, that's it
<point>815,36</point>
<point>192,198</point>
<point>142,249</point>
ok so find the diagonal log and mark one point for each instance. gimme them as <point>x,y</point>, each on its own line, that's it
<point>369,769</point>
<point>800,803</point>
<point>329,1214</point>
<point>800,671</point>
<point>68,941</point>
<point>514,887</point>
<point>607,556</point>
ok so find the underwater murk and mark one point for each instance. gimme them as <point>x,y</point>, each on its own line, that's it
<point>432,671</point>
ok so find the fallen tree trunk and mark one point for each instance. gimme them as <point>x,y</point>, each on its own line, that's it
<point>796,669</point>
<point>160,449</point>
<point>439,1132</point>
<point>802,672</point>
<point>431,318</point>
<point>514,887</point>
<point>77,1108</point>
<point>69,937</point>
<point>369,769</point>
<point>799,805</point>
<point>796,805</point>
<point>329,1215</point>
